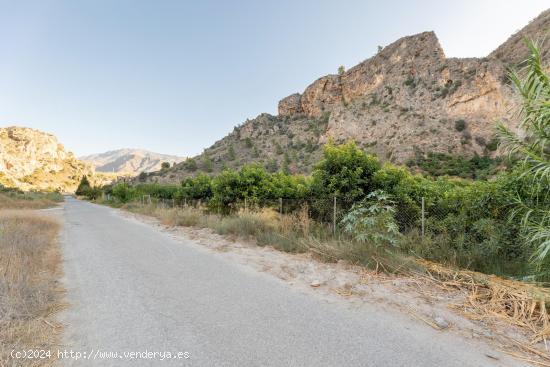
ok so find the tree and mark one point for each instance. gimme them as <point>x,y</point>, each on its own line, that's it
<point>231,153</point>
<point>164,166</point>
<point>191,164</point>
<point>341,69</point>
<point>532,148</point>
<point>83,186</point>
<point>345,172</point>
<point>207,164</point>
<point>272,165</point>
<point>285,168</point>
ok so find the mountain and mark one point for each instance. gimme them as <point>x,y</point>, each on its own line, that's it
<point>404,103</point>
<point>34,160</point>
<point>129,161</point>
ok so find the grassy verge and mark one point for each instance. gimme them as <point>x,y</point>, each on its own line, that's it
<point>30,266</point>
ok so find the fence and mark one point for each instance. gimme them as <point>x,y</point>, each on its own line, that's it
<point>426,219</point>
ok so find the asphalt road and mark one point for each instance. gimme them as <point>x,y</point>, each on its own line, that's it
<point>132,288</point>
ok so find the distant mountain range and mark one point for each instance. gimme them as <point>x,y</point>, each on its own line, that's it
<point>129,161</point>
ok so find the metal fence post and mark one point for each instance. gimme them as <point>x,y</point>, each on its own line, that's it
<point>245,205</point>
<point>281,206</point>
<point>423,217</point>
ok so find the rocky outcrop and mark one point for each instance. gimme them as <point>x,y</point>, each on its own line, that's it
<point>34,160</point>
<point>398,97</point>
<point>322,95</point>
<point>291,105</point>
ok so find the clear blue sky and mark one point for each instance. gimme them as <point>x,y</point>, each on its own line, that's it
<point>175,76</point>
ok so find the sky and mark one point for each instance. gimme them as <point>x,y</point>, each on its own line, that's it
<point>175,76</point>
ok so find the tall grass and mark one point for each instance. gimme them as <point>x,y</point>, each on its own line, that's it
<point>30,264</point>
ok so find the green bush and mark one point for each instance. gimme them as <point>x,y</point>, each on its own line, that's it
<point>345,172</point>
<point>460,125</point>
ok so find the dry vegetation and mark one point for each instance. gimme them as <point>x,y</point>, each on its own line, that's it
<point>30,266</point>
<point>13,199</point>
<point>490,299</point>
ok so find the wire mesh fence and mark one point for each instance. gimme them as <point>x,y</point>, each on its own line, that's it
<point>422,217</point>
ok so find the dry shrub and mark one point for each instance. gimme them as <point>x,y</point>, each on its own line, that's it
<point>30,264</point>
<point>298,222</point>
<point>186,217</point>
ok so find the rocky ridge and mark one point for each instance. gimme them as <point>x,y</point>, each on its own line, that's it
<point>130,161</point>
<point>406,101</point>
<point>34,160</point>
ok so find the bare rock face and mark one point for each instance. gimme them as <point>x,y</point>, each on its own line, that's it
<point>322,95</point>
<point>291,105</point>
<point>394,102</point>
<point>34,160</point>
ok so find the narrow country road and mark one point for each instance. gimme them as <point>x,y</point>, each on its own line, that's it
<point>132,288</point>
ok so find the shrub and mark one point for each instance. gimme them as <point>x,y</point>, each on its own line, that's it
<point>460,125</point>
<point>345,172</point>
<point>83,186</point>
<point>231,153</point>
<point>191,164</point>
<point>372,220</point>
<point>123,192</point>
<point>207,164</point>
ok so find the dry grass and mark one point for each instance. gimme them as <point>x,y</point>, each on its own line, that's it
<point>30,264</point>
<point>491,298</point>
<point>13,200</point>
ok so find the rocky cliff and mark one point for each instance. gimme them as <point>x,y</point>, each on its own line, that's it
<point>34,160</point>
<point>406,101</point>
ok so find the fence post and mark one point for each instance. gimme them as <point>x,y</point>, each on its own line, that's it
<point>334,217</point>
<point>423,217</point>
<point>245,206</point>
<point>281,206</point>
